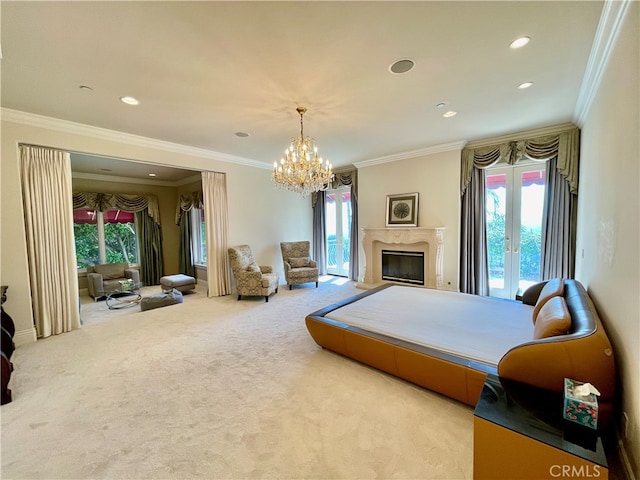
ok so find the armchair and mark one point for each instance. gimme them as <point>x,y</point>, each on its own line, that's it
<point>104,279</point>
<point>298,266</point>
<point>251,279</point>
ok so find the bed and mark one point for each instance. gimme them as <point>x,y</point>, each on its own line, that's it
<point>448,342</point>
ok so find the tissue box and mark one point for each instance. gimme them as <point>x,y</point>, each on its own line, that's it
<point>580,409</point>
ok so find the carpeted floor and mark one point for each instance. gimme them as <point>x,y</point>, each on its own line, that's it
<point>216,388</point>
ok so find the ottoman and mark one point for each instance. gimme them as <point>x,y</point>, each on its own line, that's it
<point>181,282</point>
<point>161,300</point>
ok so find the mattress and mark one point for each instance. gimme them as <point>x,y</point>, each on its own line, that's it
<point>473,327</point>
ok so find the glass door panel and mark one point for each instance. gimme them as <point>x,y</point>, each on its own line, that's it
<point>497,237</point>
<point>338,230</point>
<point>532,187</point>
<point>514,202</point>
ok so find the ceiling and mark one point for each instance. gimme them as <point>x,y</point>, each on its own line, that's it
<point>204,71</point>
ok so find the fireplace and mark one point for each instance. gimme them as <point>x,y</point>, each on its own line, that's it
<point>403,267</point>
<point>427,241</point>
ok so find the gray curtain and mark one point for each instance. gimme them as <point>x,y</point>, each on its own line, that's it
<point>185,204</point>
<point>474,263</point>
<point>561,150</point>
<point>185,259</point>
<point>559,224</point>
<point>319,231</point>
<point>150,238</point>
<point>354,264</point>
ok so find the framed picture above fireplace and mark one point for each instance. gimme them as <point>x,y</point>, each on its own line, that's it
<point>402,210</point>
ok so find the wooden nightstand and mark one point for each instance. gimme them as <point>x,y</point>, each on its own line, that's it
<point>519,433</point>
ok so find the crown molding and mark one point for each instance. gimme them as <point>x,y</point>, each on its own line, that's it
<point>609,26</point>
<point>509,137</point>
<point>41,121</point>
<point>137,181</point>
<point>445,147</point>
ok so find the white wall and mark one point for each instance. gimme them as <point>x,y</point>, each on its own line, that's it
<point>436,178</point>
<point>259,214</point>
<point>608,216</point>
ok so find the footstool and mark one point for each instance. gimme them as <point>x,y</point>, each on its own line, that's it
<point>163,299</point>
<point>181,282</point>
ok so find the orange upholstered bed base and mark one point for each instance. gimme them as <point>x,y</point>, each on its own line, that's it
<point>452,376</point>
<point>584,354</point>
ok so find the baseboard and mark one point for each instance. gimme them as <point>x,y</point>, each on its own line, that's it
<point>24,337</point>
<point>625,462</point>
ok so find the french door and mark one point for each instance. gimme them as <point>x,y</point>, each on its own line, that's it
<point>514,203</point>
<point>338,230</point>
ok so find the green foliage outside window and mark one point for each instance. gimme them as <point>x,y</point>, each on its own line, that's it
<point>530,245</point>
<point>87,249</point>
<point>203,243</point>
<point>120,243</point>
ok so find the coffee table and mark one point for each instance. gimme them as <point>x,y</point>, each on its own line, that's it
<point>126,295</point>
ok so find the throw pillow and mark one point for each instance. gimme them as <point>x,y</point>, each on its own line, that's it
<point>553,288</point>
<point>253,267</point>
<point>110,271</point>
<point>553,319</point>
<point>297,262</point>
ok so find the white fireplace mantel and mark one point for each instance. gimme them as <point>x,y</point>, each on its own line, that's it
<point>429,240</point>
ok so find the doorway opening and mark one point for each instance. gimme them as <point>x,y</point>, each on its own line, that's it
<point>514,205</point>
<point>338,230</point>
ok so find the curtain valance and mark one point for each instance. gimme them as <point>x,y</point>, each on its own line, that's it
<point>565,145</point>
<point>103,202</point>
<point>187,202</point>
<point>344,177</point>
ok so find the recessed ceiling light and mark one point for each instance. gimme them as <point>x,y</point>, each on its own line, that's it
<point>401,66</point>
<point>130,100</point>
<point>519,42</point>
<point>85,88</point>
<point>440,105</point>
<point>152,174</point>
<point>241,134</point>
<point>450,113</point>
<point>524,85</point>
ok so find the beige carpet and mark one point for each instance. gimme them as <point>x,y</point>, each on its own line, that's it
<point>216,388</point>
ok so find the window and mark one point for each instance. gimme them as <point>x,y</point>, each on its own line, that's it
<point>104,237</point>
<point>199,236</point>
<point>514,203</point>
<point>338,230</point>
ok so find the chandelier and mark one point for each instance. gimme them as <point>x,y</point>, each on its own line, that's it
<point>301,170</point>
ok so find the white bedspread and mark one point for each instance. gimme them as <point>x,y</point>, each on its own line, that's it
<point>470,326</point>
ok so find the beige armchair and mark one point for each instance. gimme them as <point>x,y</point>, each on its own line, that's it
<point>298,266</point>
<point>105,279</point>
<point>252,279</point>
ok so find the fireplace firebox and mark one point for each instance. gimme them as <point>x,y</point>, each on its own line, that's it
<point>403,267</point>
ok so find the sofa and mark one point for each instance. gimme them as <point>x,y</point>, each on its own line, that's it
<point>105,278</point>
<point>578,349</point>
